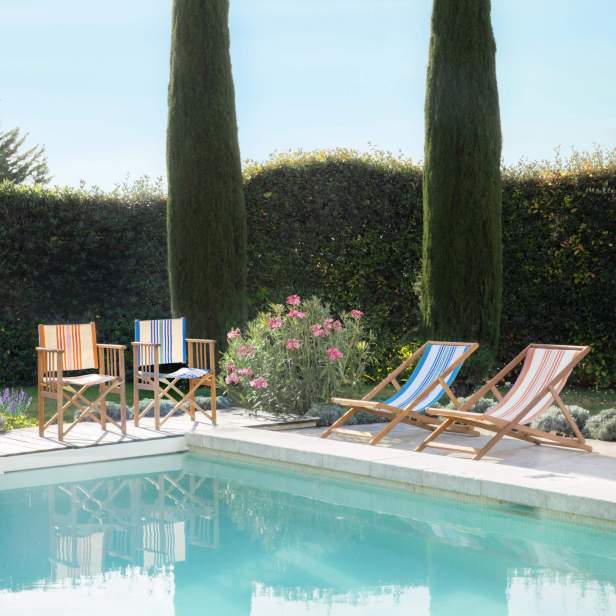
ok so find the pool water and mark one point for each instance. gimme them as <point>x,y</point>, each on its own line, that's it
<point>186,535</point>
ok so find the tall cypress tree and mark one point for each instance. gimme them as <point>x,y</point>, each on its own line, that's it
<point>462,253</point>
<point>206,218</point>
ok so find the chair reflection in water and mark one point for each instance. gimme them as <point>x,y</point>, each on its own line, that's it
<point>146,521</point>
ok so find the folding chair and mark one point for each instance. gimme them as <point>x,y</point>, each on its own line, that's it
<point>71,348</point>
<point>163,342</point>
<point>544,373</point>
<point>431,379</point>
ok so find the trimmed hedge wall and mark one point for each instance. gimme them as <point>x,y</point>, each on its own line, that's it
<point>71,256</point>
<point>341,225</point>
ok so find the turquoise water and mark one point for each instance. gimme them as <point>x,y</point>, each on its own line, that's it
<point>185,535</point>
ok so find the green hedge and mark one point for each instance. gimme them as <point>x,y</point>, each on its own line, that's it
<point>72,256</point>
<point>341,225</point>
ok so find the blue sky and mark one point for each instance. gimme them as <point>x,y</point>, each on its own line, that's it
<point>89,79</point>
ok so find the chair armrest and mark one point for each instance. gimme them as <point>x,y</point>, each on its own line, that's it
<point>202,354</point>
<point>146,344</point>
<point>50,367</point>
<point>48,350</point>
<point>111,359</point>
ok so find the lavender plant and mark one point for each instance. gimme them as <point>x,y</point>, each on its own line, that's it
<point>294,356</point>
<point>14,402</point>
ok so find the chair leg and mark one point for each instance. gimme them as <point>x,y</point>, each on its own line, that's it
<point>123,407</point>
<point>213,400</point>
<point>102,406</point>
<point>60,412</point>
<point>435,434</point>
<point>497,437</point>
<point>339,422</point>
<point>135,400</point>
<point>375,440</point>
<point>41,412</point>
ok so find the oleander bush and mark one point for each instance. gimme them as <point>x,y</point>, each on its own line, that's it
<point>339,225</point>
<point>294,356</point>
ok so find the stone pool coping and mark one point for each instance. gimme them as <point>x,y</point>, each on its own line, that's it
<point>583,496</point>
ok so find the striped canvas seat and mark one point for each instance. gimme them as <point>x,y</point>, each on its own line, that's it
<point>541,366</point>
<point>77,341</point>
<point>169,333</point>
<point>435,361</point>
<point>180,373</point>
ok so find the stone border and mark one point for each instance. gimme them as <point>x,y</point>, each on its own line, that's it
<point>586,497</point>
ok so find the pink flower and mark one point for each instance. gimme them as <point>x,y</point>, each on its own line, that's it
<point>232,379</point>
<point>259,383</point>
<point>337,325</point>
<point>293,344</point>
<point>275,323</point>
<point>230,367</point>
<point>328,324</point>
<point>333,353</point>
<point>294,300</point>
<point>234,333</point>
<point>296,314</point>
<point>357,314</point>
<point>246,350</point>
<point>317,330</point>
<point>245,372</point>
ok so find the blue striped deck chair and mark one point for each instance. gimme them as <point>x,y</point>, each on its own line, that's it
<point>163,342</point>
<point>437,368</point>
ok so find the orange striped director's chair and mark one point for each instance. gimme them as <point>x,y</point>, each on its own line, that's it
<point>71,348</point>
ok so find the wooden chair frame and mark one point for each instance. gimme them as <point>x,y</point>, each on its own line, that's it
<point>503,427</point>
<point>201,355</point>
<point>407,415</point>
<point>51,385</point>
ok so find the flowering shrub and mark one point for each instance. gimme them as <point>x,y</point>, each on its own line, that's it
<point>294,356</point>
<point>13,405</point>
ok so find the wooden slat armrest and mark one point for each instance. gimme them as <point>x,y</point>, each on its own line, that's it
<point>146,344</point>
<point>118,347</point>
<point>193,340</point>
<point>48,350</point>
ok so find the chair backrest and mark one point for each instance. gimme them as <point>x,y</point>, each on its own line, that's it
<point>436,360</point>
<point>169,333</point>
<point>542,365</point>
<point>77,341</point>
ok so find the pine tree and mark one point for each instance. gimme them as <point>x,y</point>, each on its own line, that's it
<point>462,252</point>
<point>206,213</point>
<point>20,165</point>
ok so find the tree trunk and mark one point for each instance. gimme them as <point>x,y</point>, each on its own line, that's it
<point>206,218</point>
<point>462,252</point>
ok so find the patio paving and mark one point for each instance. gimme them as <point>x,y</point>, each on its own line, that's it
<point>89,434</point>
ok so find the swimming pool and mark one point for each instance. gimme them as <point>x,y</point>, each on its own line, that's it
<point>188,535</point>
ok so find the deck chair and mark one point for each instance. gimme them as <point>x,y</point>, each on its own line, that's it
<point>71,348</point>
<point>163,342</point>
<point>544,373</point>
<point>430,380</point>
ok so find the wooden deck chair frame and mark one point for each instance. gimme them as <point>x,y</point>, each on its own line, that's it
<point>502,427</point>
<point>408,414</point>
<point>201,355</point>
<point>54,384</point>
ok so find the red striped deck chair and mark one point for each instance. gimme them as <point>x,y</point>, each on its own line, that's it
<point>73,348</point>
<point>163,342</point>
<point>438,364</point>
<point>544,373</point>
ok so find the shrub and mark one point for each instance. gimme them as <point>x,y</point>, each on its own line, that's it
<point>13,405</point>
<point>340,225</point>
<point>326,414</point>
<point>553,420</point>
<point>602,426</point>
<point>293,356</point>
